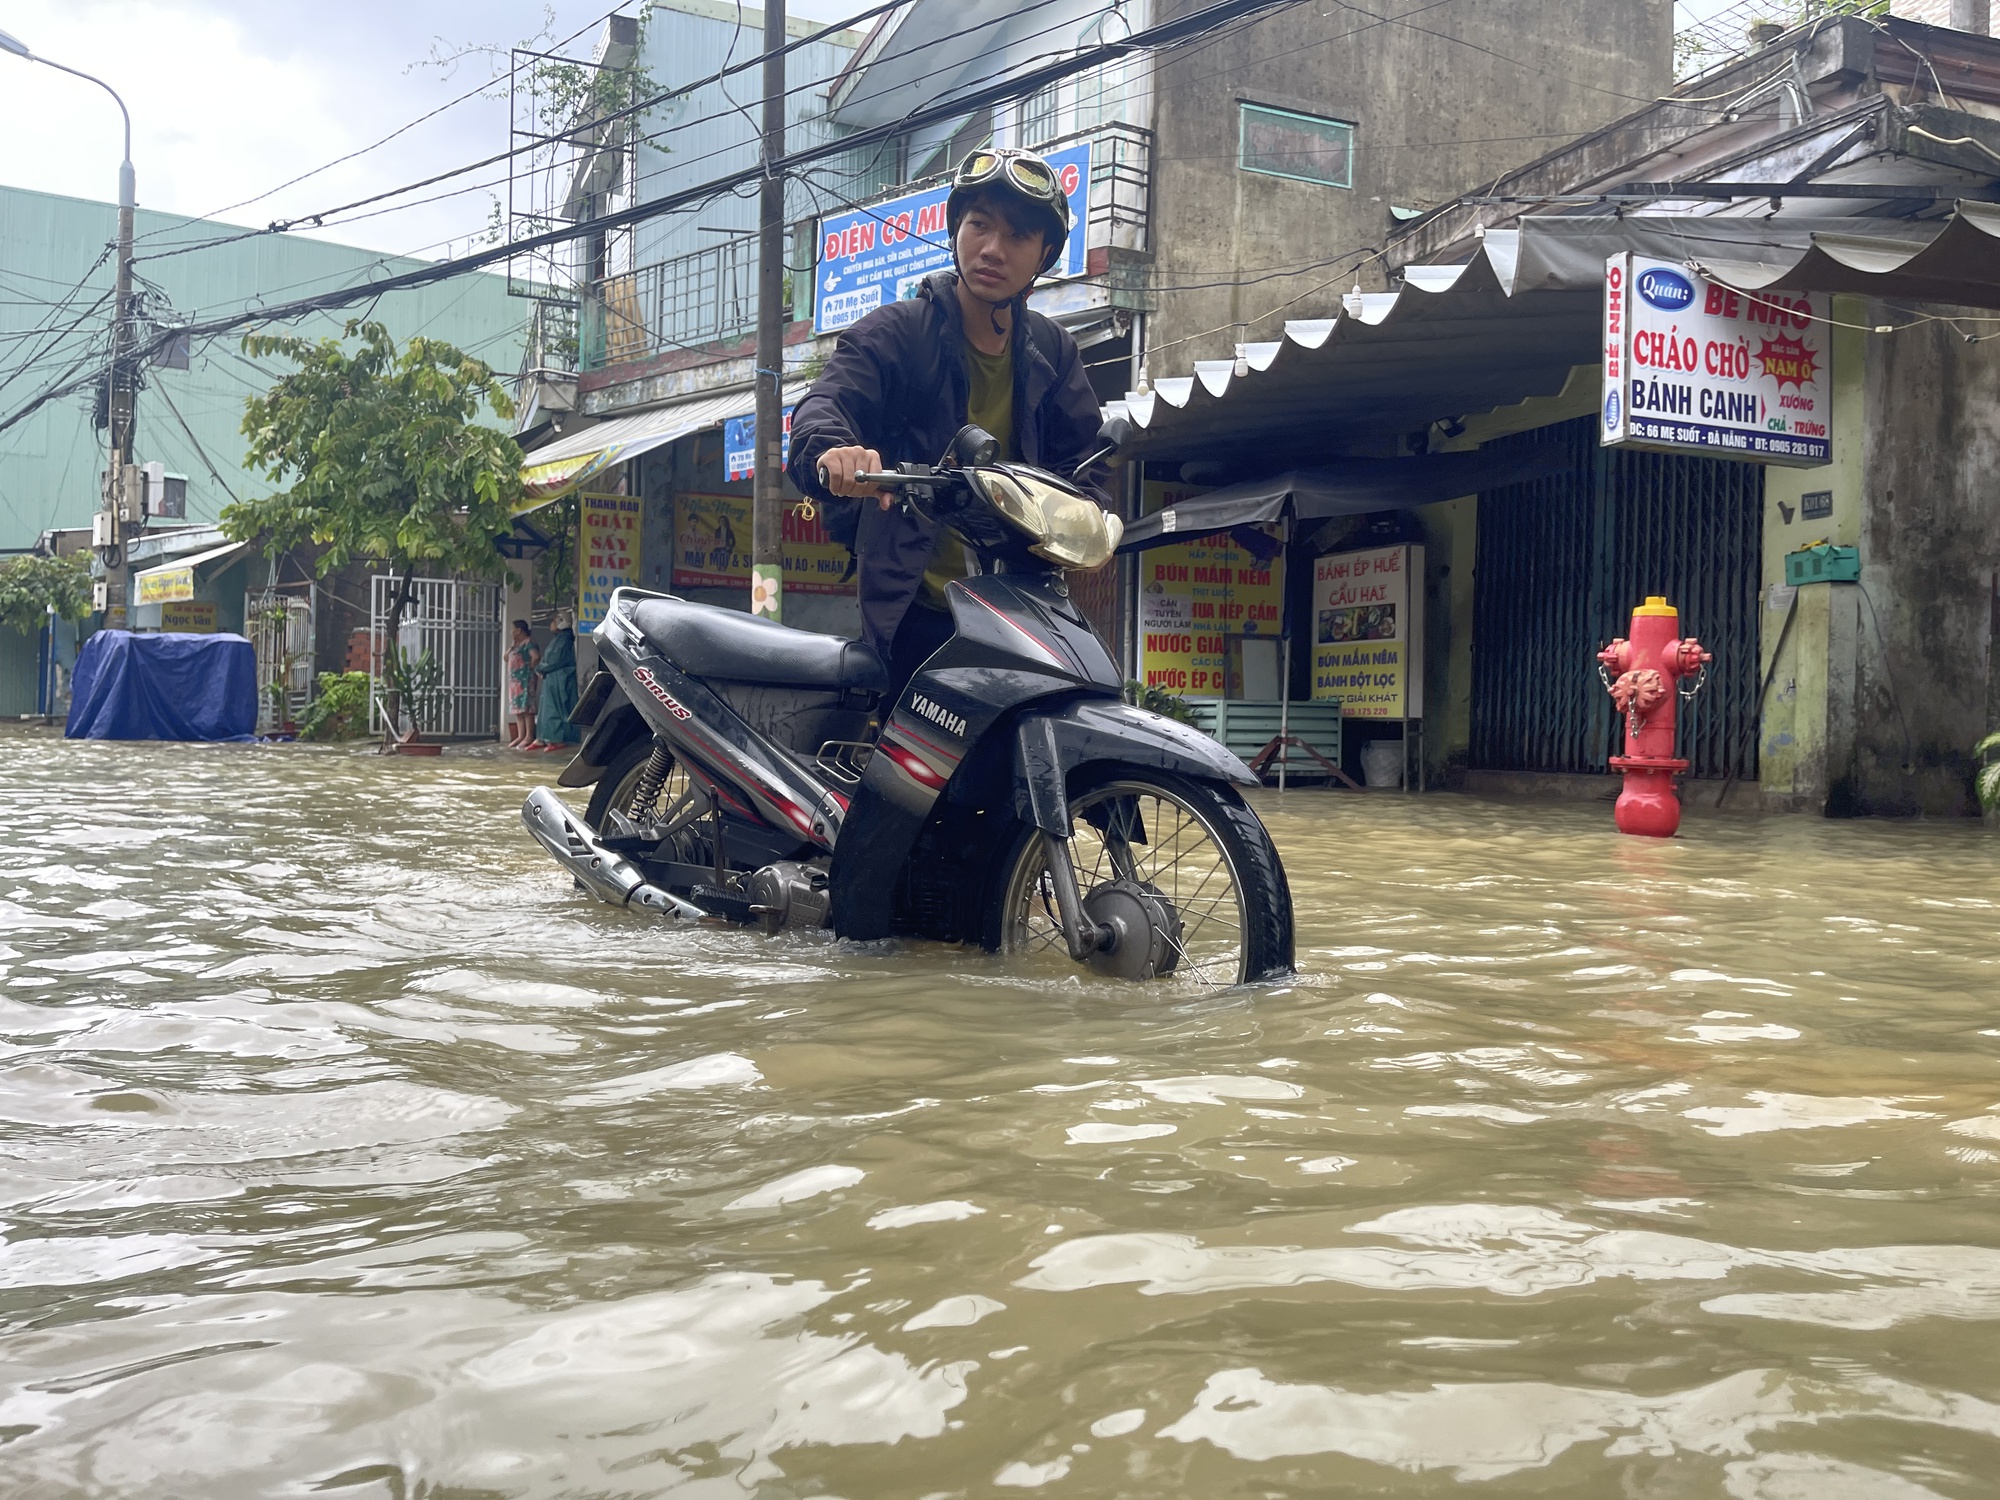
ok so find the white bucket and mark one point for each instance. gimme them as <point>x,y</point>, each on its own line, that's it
<point>1382,763</point>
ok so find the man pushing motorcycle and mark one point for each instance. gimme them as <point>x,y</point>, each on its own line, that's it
<point>907,377</point>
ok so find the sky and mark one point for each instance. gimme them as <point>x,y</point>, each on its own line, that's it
<point>230,98</point>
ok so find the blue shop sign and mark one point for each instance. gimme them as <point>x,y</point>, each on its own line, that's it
<point>739,445</point>
<point>878,254</point>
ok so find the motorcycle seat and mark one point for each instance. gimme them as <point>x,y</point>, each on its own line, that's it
<point>704,640</point>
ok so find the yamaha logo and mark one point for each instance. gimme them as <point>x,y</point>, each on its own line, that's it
<point>1667,290</point>
<point>944,718</point>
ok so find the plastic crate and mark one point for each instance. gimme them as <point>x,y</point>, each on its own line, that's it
<point>1825,564</point>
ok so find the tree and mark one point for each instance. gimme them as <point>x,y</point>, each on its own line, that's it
<point>30,586</point>
<point>384,457</point>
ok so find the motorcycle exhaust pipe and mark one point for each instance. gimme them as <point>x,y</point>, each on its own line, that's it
<point>609,877</point>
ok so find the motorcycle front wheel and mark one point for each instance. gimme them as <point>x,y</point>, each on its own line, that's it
<point>1201,857</point>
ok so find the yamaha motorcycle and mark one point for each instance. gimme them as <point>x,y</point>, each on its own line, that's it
<point>751,773</point>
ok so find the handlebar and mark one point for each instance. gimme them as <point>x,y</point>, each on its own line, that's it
<point>881,481</point>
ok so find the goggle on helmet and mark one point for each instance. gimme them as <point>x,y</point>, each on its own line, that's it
<point>1022,174</point>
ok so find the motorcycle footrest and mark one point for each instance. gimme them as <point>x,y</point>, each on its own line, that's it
<point>731,906</point>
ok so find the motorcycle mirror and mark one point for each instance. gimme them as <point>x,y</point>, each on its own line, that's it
<point>1110,437</point>
<point>972,447</point>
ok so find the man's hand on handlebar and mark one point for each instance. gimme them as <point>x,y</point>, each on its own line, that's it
<point>838,468</point>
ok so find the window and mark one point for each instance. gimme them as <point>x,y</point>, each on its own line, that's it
<point>1279,143</point>
<point>1041,115</point>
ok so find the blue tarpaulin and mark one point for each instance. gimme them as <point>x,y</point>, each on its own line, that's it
<point>163,687</point>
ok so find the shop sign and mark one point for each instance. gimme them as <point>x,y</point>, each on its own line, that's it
<point>1368,632</point>
<point>607,553</point>
<point>188,618</point>
<point>739,445</point>
<point>879,254</point>
<point>165,585</point>
<point>1194,596</point>
<point>712,547</point>
<point>1691,366</point>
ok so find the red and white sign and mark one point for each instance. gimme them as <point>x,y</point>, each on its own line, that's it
<point>1693,366</point>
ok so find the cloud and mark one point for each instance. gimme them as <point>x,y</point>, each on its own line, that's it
<point>229,98</point>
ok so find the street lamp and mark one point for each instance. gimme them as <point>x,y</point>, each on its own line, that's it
<point>118,406</point>
<point>127,196</point>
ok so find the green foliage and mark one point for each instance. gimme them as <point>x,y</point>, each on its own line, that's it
<point>382,453</point>
<point>29,585</point>
<point>1987,781</point>
<point>340,712</point>
<point>555,565</point>
<point>1158,700</point>
<point>420,688</point>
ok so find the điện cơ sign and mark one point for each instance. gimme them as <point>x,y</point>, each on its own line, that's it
<point>879,254</point>
<point>1692,366</point>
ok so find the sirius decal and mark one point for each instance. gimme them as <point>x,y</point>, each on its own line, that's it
<point>651,684</point>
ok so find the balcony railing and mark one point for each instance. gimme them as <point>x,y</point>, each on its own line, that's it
<point>710,296</point>
<point>704,298</point>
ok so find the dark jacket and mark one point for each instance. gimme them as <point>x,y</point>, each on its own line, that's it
<point>896,383</point>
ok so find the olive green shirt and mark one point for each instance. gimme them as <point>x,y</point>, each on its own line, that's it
<point>990,406</point>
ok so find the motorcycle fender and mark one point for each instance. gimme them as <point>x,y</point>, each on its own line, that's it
<point>1049,748</point>
<point>616,724</point>
<point>876,838</point>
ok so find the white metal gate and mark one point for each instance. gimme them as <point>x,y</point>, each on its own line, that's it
<point>280,627</point>
<point>450,638</point>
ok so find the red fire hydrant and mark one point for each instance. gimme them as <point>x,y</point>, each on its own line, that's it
<point>1650,667</point>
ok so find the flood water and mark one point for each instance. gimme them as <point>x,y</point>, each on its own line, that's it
<point>345,1149</point>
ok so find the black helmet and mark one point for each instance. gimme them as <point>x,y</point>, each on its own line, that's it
<point>1022,175</point>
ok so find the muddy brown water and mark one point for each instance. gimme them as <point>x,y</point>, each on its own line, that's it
<point>344,1149</point>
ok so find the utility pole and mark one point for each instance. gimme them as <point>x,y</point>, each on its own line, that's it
<point>121,498</point>
<point>767,523</point>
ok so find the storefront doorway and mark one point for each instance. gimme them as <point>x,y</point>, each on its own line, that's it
<point>1561,562</point>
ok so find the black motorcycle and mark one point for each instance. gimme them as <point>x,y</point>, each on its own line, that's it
<point>745,771</point>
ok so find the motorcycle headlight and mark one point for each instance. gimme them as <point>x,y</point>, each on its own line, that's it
<point>1066,528</point>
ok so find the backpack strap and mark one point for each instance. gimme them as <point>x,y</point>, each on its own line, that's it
<point>1045,336</point>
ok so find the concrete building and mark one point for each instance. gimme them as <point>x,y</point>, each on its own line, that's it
<point>1289,150</point>
<point>1844,168</point>
<point>55,280</point>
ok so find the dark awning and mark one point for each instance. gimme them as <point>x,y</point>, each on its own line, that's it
<point>1353,487</point>
<point>1960,266</point>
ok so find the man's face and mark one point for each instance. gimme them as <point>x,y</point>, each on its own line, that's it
<point>997,260</point>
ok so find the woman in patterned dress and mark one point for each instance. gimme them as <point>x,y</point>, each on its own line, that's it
<point>522,659</point>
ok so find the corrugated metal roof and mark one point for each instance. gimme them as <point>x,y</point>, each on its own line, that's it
<point>555,469</point>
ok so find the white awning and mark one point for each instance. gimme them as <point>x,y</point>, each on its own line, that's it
<point>555,469</point>
<point>1513,322</point>
<point>173,582</point>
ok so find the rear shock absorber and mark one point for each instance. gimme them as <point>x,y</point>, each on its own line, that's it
<point>651,778</point>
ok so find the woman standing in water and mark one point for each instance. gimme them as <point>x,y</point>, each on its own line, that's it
<point>522,658</point>
<point>553,729</point>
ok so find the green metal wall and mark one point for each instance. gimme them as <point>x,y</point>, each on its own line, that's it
<point>1560,564</point>
<point>50,464</point>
